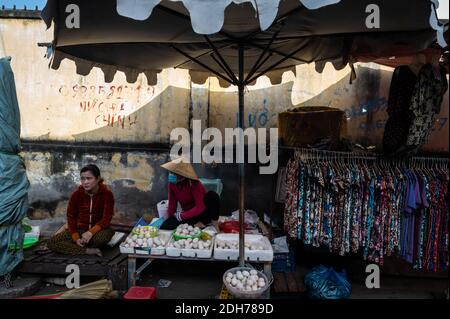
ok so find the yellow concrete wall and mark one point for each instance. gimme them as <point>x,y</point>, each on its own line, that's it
<point>60,105</point>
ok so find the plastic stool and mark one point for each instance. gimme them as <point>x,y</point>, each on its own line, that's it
<point>140,293</point>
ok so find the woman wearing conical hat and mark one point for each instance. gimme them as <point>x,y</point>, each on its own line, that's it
<point>198,206</point>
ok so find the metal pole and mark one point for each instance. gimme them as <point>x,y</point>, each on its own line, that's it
<point>241,88</point>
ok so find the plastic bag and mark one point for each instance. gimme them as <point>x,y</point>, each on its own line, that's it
<point>251,217</point>
<point>163,207</point>
<point>280,245</point>
<point>326,283</point>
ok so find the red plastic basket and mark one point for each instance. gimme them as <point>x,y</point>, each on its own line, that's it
<point>231,227</point>
<point>140,293</point>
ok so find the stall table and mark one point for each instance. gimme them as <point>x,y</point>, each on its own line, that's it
<point>133,272</point>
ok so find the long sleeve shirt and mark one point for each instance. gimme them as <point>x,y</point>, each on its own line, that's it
<point>190,195</point>
<point>89,213</point>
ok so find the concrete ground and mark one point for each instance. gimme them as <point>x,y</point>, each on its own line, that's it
<point>203,280</point>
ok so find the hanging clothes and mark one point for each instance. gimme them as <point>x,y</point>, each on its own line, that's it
<point>426,103</point>
<point>413,104</point>
<point>376,210</point>
<point>400,116</point>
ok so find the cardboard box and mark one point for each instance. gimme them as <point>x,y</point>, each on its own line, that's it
<point>307,125</point>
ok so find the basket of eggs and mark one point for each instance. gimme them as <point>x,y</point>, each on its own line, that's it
<point>245,282</point>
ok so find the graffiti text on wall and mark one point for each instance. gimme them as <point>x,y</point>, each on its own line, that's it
<point>438,126</point>
<point>111,104</point>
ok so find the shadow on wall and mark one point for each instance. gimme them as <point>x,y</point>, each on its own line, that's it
<point>135,178</point>
<point>364,101</point>
<point>139,183</point>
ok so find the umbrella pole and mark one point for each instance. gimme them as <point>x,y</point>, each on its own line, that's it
<point>241,88</point>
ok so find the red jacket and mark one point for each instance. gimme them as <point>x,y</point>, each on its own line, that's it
<point>190,195</point>
<point>89,212</point>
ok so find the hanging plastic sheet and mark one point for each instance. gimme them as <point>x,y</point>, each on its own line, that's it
<point>14,183</point>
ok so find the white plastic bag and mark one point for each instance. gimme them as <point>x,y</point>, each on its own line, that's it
<point>251,217</point>
<point>163,207</point>
<point>280,245</point>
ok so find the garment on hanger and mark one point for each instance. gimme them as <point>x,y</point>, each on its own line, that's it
<point>426,103</point>
<point>375,209</point>
<point>400,116</point>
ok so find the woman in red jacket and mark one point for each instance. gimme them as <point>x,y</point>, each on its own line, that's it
<point>199,207</point>
<point>89,214</point>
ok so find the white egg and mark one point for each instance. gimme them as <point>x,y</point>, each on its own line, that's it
<point>200,246</point>
<point>253,272</point>
<point>134,237</point>
<point>250,282</point>
<point>245,273</point>
<point>139,241</point>
<point>228,279</point>
<point>254,288</point>
<point>234,282</point>
<point>144,244</point>
<point>261,284</point>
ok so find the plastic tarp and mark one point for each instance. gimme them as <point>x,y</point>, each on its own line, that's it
<point>14,183</point>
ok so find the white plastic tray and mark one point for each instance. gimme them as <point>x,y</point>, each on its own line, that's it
<point>190,253</point>
<point>166,234</point>
<point>250,255</point>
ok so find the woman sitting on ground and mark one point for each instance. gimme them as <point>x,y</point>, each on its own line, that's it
<point>89,214</point>
<point>199,208</point>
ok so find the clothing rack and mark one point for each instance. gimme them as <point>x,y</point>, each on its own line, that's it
<point>352,203</point>
<point>321,155</point>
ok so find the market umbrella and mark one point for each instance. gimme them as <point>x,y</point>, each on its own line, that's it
<point>14,183</point>
<point>235,40</point>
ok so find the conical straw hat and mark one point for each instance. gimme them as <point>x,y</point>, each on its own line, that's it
<point>181,167</point>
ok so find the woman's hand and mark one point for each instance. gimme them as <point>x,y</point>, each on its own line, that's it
<point>200,225</point>
<point>79,242</point>
<point>86,237</point>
